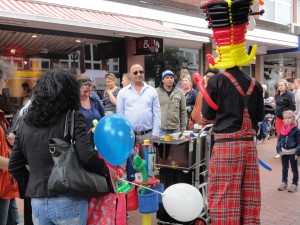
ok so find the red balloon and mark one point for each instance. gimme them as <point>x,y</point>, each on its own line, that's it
<point>199,81</point>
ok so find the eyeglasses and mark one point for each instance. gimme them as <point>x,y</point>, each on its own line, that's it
<point>138,71</point>
<point>288,118</point>
<point>85,80</point>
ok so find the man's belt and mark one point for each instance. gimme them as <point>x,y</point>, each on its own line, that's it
<point>142,132</point>
<point>221,140</point>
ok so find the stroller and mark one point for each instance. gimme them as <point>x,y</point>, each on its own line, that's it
<point>266,128</point>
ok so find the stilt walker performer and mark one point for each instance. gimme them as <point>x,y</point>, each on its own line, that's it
<point>234,185</point>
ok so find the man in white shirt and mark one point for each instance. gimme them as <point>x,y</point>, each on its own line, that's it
<point>138,102</point>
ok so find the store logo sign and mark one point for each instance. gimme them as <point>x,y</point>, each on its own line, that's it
<point>149,45</point>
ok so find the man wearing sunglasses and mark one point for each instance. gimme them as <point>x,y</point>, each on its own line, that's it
<point>138,102</point>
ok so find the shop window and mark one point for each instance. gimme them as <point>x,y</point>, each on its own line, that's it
<point>45,65</point>
<point>39,64</point>
<point>97,66</point>
<point>87,52</point>
<point>88,66</point>
<point>115,68</point>
<point>96,55</point>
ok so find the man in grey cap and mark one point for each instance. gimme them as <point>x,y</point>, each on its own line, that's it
<point>172,105</point>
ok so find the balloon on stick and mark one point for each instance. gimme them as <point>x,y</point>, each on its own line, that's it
<point>114,138</point>
<point>183,202</point>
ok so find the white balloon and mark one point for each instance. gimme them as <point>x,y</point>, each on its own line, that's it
<point>183,202</point>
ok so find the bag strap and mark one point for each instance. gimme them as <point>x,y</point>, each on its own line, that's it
<point>71,131</point>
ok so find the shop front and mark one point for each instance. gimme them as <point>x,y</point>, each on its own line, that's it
<point>41,35</point>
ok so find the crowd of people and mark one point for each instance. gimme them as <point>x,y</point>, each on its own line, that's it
<point>167,109</point>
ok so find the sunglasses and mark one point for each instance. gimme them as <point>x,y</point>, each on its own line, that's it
<point>138,71</point>
<point>109,75</point>
<point>85,80</point>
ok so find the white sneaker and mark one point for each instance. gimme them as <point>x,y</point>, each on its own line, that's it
<point>277,157</point>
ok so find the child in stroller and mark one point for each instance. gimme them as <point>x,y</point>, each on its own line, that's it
<point>266,128</point>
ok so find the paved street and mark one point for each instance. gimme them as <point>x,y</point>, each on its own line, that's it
<point>278,208</point>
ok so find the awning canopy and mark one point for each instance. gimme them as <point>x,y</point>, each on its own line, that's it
<point>40,14</point>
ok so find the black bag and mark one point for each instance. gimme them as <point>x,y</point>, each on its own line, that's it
<point>68,177</point>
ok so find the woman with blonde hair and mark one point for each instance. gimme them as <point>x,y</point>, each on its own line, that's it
<point>284,101</point>
<point>89,106</point>
<point>182,73</point>
<point>110,94</point>
<point>190,94</point>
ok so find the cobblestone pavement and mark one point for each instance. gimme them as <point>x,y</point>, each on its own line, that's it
<point>278,207</point>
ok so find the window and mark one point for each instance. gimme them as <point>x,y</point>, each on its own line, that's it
<point>279,11</point>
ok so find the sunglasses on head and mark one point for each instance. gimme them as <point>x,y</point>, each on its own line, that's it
<point>86,80</point>
<point>109,75</point>
<point>138,71</point>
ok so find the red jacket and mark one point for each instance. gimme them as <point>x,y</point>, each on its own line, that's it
<point>8,186</point>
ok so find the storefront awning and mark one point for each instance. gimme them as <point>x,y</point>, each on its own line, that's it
<point>30,13</point>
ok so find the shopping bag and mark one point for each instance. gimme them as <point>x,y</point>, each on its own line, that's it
<point>121,209</point>
<point>132,200</point>
<point>102,210</point>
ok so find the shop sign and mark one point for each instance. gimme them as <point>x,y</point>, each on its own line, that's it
<point>149,45</point>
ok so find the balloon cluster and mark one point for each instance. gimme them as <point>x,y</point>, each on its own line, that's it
<point>228,20</point>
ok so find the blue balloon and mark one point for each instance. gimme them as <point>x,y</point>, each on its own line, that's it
<point>114,138</point>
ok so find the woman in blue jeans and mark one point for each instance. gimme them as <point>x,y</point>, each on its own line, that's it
<point>55,93</point>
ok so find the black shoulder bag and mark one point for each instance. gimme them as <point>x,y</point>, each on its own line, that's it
<point>68,177</point>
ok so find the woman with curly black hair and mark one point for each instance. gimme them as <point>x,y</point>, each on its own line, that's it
<point>54,94</point>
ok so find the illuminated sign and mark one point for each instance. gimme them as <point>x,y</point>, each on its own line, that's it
<point>149,45</point>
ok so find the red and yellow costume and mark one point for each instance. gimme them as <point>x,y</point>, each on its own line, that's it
<point>234,186</point>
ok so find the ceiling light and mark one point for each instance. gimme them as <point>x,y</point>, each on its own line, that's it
<point>78,41</point>
<point>34,36</point>
<point>13,51</point>
<point>145,2</point>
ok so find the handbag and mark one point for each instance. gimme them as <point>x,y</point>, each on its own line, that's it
<point>68,177</point>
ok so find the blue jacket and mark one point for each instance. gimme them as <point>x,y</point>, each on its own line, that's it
<point>290,141</point>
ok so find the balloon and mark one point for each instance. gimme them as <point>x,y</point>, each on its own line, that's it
<point>114,138</point>
<point>264,165</point>
<point>183,202</point>
<point>199,81</point>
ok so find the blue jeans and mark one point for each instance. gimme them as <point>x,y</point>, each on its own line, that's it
<point>59,210</point>
<point>285,159</point>
<point>9,214</point>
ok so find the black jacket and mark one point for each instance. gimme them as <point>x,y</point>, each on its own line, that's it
<point>229,117</point>
<point>31,147</point>
<point>284,102</point>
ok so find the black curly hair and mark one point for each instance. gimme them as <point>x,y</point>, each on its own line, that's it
<point>54,94</point>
